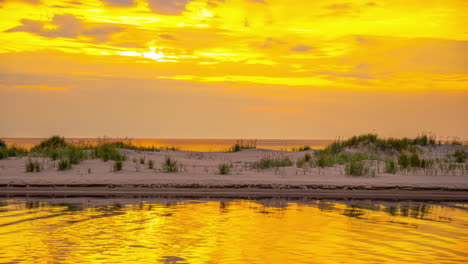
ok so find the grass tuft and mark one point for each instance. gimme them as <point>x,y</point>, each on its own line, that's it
<point>64,164</point>
<point>241,144</point>
<point>118,165</point>
<point>150,164</point>
<point>270,162</point>
<point>224,168</point>
<point>356,168</point>
<point>170,165</point>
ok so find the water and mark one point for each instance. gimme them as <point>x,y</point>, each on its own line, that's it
<point>85,230</point>
<point>202,145</point>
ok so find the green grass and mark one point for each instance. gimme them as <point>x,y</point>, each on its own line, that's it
<point>32,166</point>
<point>243,144</point>
<point>150,164</point>
<point>142,160</point>
<point>64,164</point>
<point>107,152</point>
<point>388,144</point>
<point>118,165</point>
<point>54,142</point>
<point>304,161</point>
<point>270,162</point>
<point>460,155</point>
<point>299,149</point>
<point>3,145</point>
<point>224,168</point>
<point>390,166</point>
<point>170,165</point>
<point>356,168</point>
<point>12,151</point>
<point>328,159</point>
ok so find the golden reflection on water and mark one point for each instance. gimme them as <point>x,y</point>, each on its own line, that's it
<point>233,232</point>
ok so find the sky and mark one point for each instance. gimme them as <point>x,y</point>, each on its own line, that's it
<point>233,68</point>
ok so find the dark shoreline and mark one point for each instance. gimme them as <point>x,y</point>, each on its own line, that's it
<point>112,191</point>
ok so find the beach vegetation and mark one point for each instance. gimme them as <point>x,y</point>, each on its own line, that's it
<point>243,144</point>
<point>390,166</point>
<point>303,148</point>
<point>3,145</point>
<point>270,162</point>
<point>64,164</point>
<point>118,165</point>
<point>150,164</point>
<point>170,165</point>
<point>33,165</point>
<point>460,155</point>
<point>304,161</point>
<point>357,168</point>
<point>107,152</point>
<point>224,168</point>
<point>12,151</point>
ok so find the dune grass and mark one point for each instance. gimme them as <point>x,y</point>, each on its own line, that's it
<point>357,168</point>
<point>224,168</point>
<point>271,162</point>
<point>170,165</point>
<point>33,166</point>
<point>118,165</point>
<point>64,164</point>
<point>243,144</point>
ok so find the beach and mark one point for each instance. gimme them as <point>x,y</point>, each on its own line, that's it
<point>199,175</point>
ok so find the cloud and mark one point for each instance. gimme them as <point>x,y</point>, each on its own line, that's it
<point>120,3</point>
<point>169,37</point>
<point>287,110</point>
<point>258,1</point>
<point>41,87</point>
<point>301,48</point>
<point>340,6</point>
<point>66,26</point>
<point>269,41</point>
<point>167,7</point>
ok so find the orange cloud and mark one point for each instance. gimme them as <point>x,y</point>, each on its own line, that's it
<point>287,110</point>
<point>42,87</point>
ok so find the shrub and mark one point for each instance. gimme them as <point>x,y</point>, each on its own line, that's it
<point>150,164</point>
<point>356,168</point>
<point>268,162</point>
<point>30,166</point>
<point>390,166</point>
<point>304,148</point>
<point>118,164</point>
<point>64,164</point>
<point>170,165</point>
<point>224,168</point>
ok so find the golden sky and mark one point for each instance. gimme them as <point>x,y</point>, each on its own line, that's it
<point>233,68</point>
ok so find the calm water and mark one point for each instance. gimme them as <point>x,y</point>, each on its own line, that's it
<point>192,144</point>
<point>239,231</point>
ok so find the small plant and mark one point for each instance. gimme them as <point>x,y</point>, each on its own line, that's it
<point>304,148</point>
<point>150,164</point>
<point>356,168</point>
<point>170,165</point>
<point>142,160</point>
<point>64,164</point>
<point>224,168</point>
<point>54,142</point>
<point>3,145</point>
<point>390,166</point>
<point>118,164</point>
